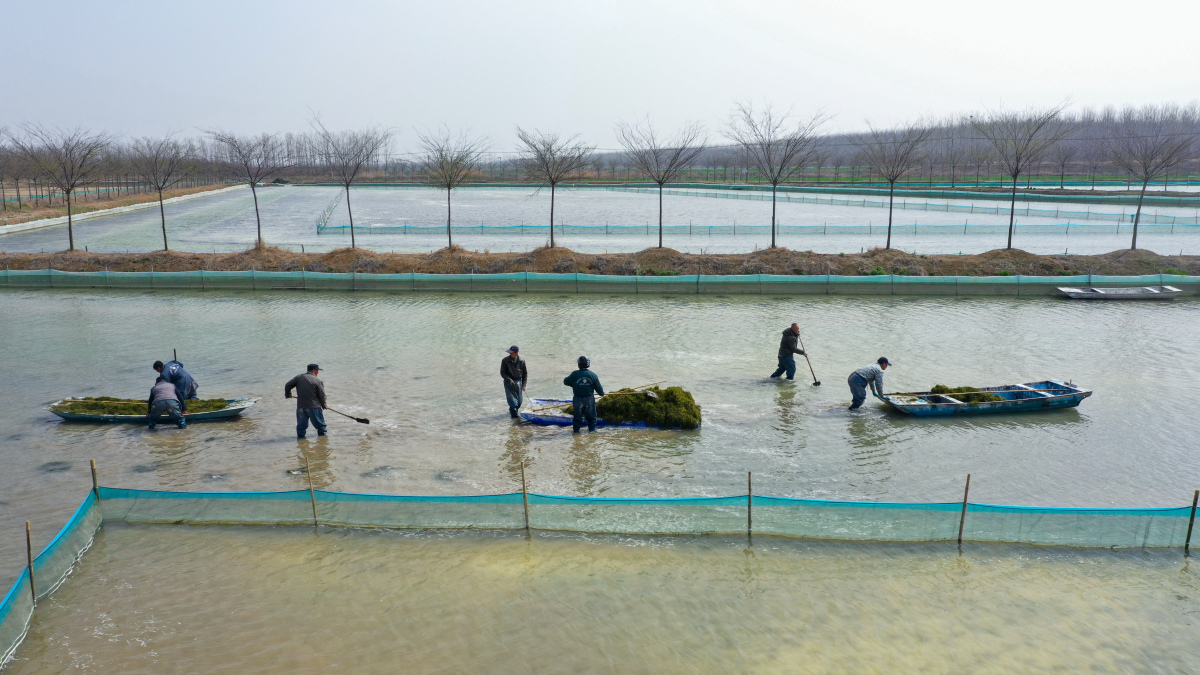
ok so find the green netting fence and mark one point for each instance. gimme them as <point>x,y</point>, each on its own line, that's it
<point>535,282</point>
<point>523,511</point>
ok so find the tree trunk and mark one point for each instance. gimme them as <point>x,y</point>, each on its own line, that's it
<point>891,198</point>
<point>449,236</point>
<point>552,215</point>
<point>257,217</point>
<point>163,215</point>
<point>774,186</point>
<point>660,233</point>
<point>1012,211</point>
<point>70,225</point>
<point>1138,214</point>
<point>351,214</point>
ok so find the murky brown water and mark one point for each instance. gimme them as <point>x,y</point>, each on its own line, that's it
<point>152,599</point>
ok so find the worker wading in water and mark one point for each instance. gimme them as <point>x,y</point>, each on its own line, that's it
<point>515,376</point>
<point>584,385</point>
<point>185,385</point>
<point>788,351</point>
<point>310,400</point>
<point>871,375</point>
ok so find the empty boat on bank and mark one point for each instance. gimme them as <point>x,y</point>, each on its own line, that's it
<point>1028,397</point>
<point>1126,293</point>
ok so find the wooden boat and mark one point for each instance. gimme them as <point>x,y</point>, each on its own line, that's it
<point>1126,293</point>
<point>556,418</point>
<point>236,407</point>
<point>1028,397</point>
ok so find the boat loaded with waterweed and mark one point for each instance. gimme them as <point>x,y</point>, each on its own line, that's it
<point>109,409</point>
<point>1028,397</point>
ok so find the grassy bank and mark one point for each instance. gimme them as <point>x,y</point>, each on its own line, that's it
<point>652,261</point>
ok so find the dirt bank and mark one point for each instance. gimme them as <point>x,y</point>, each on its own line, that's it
<point>28,213</point>
<point>652,261</point>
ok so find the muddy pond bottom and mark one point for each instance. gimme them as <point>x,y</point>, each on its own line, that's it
<point>151,599</point>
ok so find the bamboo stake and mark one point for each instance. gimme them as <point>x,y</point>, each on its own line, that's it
<point>525,498</point>
<point>1191,521</point>
<point>749,504</point>
<point>95,482</point>
<point>29,559</point>
<point>312,496</point>
<point>963,518</point>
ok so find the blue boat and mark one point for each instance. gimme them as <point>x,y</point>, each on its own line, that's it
<point>554,417</point>
<point>1028,397</point>
<point>236,407</point>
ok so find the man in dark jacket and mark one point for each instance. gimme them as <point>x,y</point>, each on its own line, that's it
<point>185,386</point>
<point>164,400</point>
<point>788,351</point>
<point>584,386</point>
<point>515,375</point>
<point>310,400</point>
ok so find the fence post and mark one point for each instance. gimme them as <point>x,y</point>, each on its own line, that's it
<point>1191,521</point>
<point>749,504</point>
<point>29,559</point>
<point>525,497</point>
<point>95,483</point>
<point>963,518</point>
<point>312,496</point>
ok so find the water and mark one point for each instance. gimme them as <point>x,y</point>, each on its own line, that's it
<point>249,599</point>
<point>226,222</point>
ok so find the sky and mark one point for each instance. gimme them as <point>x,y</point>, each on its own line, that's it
<point>141,68</point>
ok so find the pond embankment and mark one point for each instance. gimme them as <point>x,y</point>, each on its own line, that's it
<point>648,262</point>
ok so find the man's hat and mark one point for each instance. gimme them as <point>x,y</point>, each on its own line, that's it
<point>313,366</point>
<point>513,349</point>
<point>883,361</point>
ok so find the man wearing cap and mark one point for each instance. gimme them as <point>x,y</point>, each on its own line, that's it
<point>867,375</point>
<point>788,351</point>
<point>515,375</point>
<point>584,385</point>
<point>310,400</point>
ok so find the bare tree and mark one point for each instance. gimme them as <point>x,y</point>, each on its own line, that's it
<point>1020,139</point>
<point>954,150</point>
<point>253,159</point>
<point>1149,142</point>
<point>160,163</point>
<point>7,162</point>
<point>65,158</point>
<point>775,143</point>
<point>549,159</point>
<point>1061,155</point>
<point>660,160</point>
<point>448,161</point>
<point>345,153</point>
<point>893,153</point>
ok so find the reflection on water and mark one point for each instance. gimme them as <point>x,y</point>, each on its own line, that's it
<point>251,599</point>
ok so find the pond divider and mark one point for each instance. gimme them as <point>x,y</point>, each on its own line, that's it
<point>535,282</point>
<point>747,514</point>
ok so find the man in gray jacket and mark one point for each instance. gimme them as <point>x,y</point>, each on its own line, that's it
<point>310,400</point>
<point>515,375</point>
<point>165,400</point>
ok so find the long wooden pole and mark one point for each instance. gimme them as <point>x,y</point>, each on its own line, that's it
<point>963,518</point>
<point>1191,521</point>
<point>525,497</point>
<point>29,560</point>
<point>312,496</point>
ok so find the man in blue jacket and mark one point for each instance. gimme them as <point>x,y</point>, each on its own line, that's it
<point>185,386</point>
<point>584,385</point>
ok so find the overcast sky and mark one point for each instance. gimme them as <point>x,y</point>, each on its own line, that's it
<point>575,67</point>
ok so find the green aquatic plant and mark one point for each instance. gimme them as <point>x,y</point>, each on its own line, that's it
<point>109,405</point>
<point>671,407</point>
<point>966,394</point>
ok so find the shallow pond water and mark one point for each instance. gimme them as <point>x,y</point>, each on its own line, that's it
<point>149,599</point>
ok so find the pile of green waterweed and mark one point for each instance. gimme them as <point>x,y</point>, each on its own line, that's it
<point>109,405</point>
<point>671,407</point>
<point>966,394</point>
